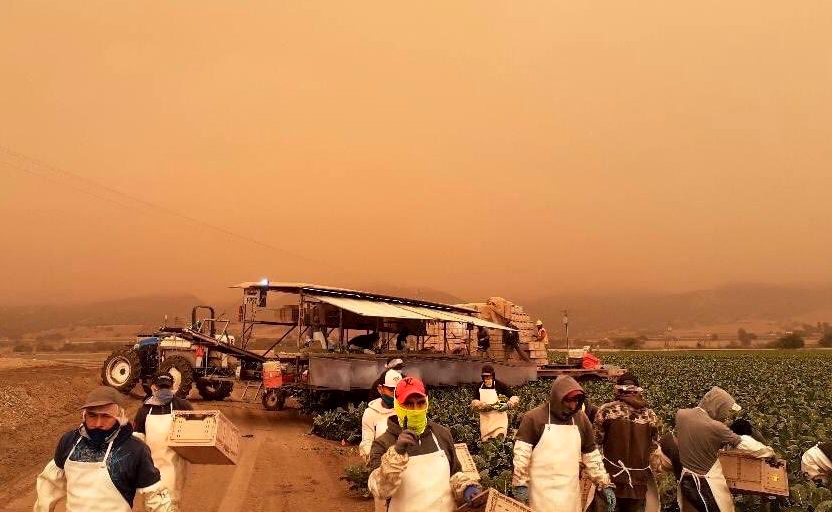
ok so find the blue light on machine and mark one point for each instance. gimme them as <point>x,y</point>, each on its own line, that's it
<point>264,282</point>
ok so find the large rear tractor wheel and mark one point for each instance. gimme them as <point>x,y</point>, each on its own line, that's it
<point>274,399</point>
<point>122,370</point>
<point>214,389</point>
<point>181,371</point>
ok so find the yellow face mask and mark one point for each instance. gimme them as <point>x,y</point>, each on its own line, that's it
<point>412,419</point>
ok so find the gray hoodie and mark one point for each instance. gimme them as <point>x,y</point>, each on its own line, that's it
<point>701,433</point>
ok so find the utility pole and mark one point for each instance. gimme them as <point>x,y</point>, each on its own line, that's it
<point>566,331</point>
<point>669,336</point>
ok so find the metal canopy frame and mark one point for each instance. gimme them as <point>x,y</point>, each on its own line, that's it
<point>352,305</point>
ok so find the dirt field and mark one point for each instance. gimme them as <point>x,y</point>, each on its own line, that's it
<point>282,468</point>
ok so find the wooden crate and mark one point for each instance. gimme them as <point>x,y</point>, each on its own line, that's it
<point>466,460</point>
<point>493,501</point>
<point>205,437</point>
<point>750,475</point>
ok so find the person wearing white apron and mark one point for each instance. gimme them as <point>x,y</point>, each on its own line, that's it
<point>374,420</point>
<point>415,469</point>
<point>493,416</point>
<point>627,432</point>
<point>816,464</point>
<point>154,420</point>
<point>100,466</point>
<point>553,441</point>
<point>700,434</point>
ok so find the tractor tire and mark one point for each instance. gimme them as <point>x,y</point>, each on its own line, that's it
<point>122,370</point>
<point>181,371</point>
<point>214,389</point>
<point>274,399</point>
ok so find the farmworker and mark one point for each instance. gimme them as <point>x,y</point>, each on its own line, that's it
<point>374,419</point>
<point>153,422</point>
<point>392,364</point>
<point>395,364</point>
<point>816,463</point>
<point>554,439</point>
<point>401,338</point>
<point>100,466</point>
<point>700,434</point>
<point>483,340</point>
<point>511,342</point>
<point>627,432</point>
<point>365,342</point>
<point>542,335</point>
<point>413,465</point>
<point>492,404</point>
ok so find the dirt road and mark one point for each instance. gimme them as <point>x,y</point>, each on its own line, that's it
<point>282,468</point>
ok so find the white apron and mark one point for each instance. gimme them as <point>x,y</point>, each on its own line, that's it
<point>554,481</point>
<point>89,487</point>
<point>719,488</point>
<point>426,484</point>
<point>492,423</point>
<point>170,464</point>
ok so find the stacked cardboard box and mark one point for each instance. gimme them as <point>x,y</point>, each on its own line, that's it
<point>500,311</point>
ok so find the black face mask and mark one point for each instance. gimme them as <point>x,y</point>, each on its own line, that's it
<point>99,436</point>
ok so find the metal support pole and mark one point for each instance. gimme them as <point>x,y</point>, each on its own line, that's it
<point>445,335</point>
<point>300,319</point>
<point>341,328</point>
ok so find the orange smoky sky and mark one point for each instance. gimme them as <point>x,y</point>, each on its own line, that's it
<point>481,148</point>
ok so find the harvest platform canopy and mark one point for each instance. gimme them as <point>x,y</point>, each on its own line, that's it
<point>376,305</point>
<point>320,310</point>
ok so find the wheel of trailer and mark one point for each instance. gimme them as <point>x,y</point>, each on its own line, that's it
<point>181,371</point>
<point>214,389</point>
<point>121,370</point>
<point>274,399</point>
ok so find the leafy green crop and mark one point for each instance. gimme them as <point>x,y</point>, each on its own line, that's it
<point>786,395</point>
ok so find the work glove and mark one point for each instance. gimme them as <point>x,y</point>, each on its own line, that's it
<point>471,492</point>
<point>521,493</point>
<point>609,495</point>
<point>406,438</point>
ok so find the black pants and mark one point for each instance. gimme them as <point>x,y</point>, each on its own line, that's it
<point>629,505</point>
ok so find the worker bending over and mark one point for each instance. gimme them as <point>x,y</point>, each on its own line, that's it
<point>100,466</point>
<point>701,433</point>
<point>492,408</point>
<point>413,465</point>
<point>816,464</point>
<point>554,439</point>
<point>153,422</point>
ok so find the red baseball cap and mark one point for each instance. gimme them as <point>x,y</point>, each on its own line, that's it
<point>574,394</point>
<point>409,386</point>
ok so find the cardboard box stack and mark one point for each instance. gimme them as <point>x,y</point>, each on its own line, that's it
<point>500,311</point>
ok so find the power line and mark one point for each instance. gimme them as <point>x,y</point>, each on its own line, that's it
<point>31,165</point>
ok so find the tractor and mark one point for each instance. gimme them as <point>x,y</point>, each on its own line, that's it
<point>190,359</point>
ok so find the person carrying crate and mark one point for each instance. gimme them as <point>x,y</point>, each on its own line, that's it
<point>152,423</point>
<point>414,466</point>
<point>700,434</point>
<point>100,466</point>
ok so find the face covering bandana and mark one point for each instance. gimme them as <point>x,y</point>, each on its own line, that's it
<point>414,419</point>
<point>99,436</point>
<point>161,396</point>
<point>388,401</point>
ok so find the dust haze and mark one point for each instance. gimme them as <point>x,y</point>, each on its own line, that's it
<point>521,148</point>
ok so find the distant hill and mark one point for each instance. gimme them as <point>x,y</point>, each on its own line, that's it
<point>19,320</point>
<point>606,313</point>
